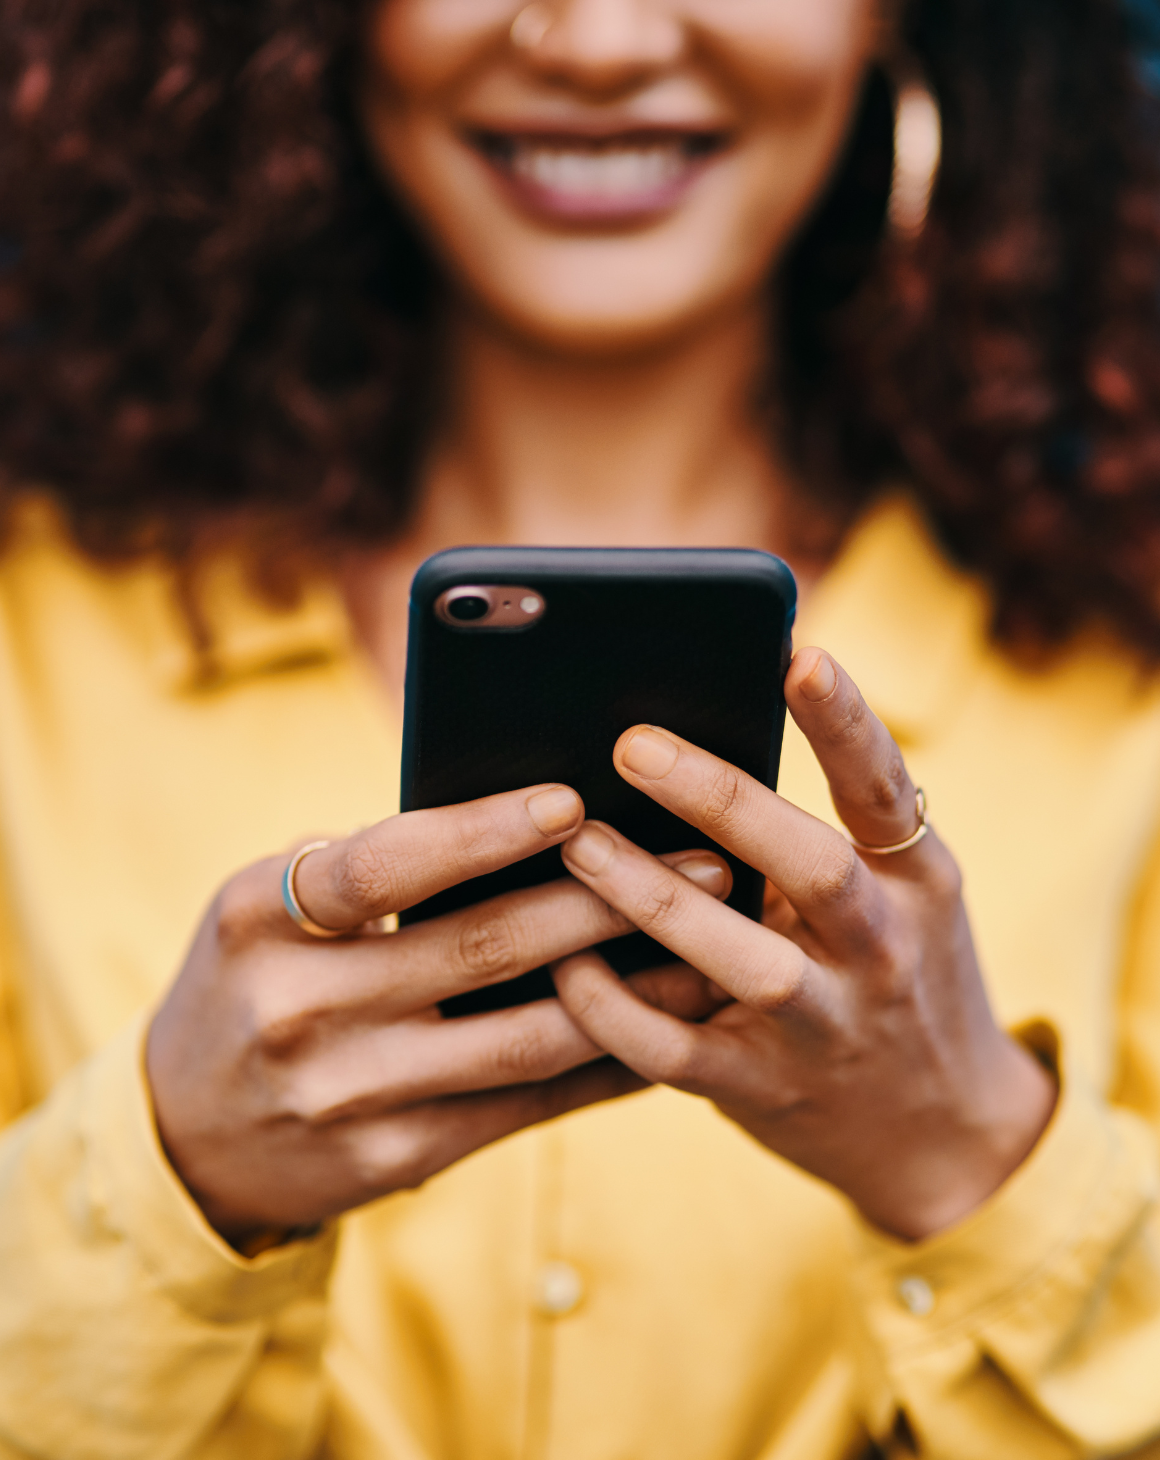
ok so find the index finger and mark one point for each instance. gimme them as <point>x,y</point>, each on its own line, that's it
<point>410,857</point>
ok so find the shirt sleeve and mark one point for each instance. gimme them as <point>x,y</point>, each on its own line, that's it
<point>128,1329</point>
<point>1033,1327</point>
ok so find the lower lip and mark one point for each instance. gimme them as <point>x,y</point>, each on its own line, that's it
<point>621,205</point>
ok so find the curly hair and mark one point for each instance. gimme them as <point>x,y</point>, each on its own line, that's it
<point>214,320</point>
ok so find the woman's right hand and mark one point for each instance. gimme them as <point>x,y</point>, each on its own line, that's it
<point>294,1078</point>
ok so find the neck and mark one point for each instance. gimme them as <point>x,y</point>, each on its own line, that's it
<point>657,450</point>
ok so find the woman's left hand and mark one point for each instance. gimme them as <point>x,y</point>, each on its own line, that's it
<point>853,1034</point>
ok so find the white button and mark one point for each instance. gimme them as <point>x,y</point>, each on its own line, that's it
<point>559,1289</point>
<point>915,1295</point>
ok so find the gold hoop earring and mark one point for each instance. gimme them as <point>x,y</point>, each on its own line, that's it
<point>530,27</point>
<point>917,157</point>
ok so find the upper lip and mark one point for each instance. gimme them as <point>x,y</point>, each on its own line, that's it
<point>562,128</point>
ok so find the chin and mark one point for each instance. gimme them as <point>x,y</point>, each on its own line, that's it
<point>596,329</point>
<point>594,302</point>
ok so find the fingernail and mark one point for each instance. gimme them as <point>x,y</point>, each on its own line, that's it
<point>590,850</point>
<point>708,874</point>
<point>554,811</point>
<point>822,680</point>
<point>649,753</point>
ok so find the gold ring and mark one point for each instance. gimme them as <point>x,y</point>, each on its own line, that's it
<point>530,27</point>
<point>911,841</point>
<point>290,895</point>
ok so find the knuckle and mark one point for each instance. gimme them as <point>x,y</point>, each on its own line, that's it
<point>887,789</point>
<point>469,834</point>
<point>481,827</point>
<point>776,996</point>
<point>322,1103</point>
<point>944,877</point>
<point>658,903</point>
<point>308,1104</point>
<point>390,1155</point>
<point>366,875</point>
<point>893,977</point>
<point>280,1030</point>
<point>852,721</point>
<point>486,946</point>
<point>834,876</point>
<point>678,1062</point>
<point>524,1057</point>
<point>885,961</point>
<point>722,797</point>
<point>240,911</point>
<point>584,998</point>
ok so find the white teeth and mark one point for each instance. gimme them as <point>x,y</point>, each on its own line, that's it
<point>595,172</point>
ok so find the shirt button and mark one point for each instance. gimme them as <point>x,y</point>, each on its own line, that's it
<point>559,1289</point>
<point>915,1295</point>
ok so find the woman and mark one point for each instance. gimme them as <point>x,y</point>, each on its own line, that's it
<point>298,294</point>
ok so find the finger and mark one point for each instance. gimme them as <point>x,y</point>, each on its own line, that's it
<point>777,912</point>
<point>752,963</point>
<point>405,1148</point>
<point>386,978</point>
<point>659,1046</point>
<point>399,974</point>
<point>869,782</point>
<point>453,1128</point>
<point>408,858</point>
<point>813,864</point>
<point>390,1067</point>
<point>680,990</point>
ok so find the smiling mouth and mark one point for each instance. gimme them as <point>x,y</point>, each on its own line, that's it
<point>600,177</point>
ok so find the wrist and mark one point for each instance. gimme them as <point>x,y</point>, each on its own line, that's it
<point>972,1154</point>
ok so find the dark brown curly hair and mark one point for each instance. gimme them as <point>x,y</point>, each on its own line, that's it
<point>214,321</point>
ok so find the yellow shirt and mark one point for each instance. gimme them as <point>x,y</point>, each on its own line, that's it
<point>639,1281</point>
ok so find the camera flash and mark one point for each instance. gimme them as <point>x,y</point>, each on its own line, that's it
<point>530,604</point>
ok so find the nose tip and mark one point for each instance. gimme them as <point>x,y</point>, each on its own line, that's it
<point>600,43</point>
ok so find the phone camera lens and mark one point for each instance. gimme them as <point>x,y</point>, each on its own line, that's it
<point>468,608</point>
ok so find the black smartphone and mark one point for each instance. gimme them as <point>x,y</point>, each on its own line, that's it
<point>525,665</point>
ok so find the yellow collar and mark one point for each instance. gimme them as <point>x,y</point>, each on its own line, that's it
<point>247,635</point>
<point>910,629</point>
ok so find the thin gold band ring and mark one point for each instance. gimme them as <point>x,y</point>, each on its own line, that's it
<point>911,841</point>
<point>290,895</point>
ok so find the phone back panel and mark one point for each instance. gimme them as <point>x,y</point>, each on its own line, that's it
<point>694,640</point>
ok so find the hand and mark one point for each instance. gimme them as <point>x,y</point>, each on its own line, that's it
<point>860,1044</point>
<point>294,1078</point>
